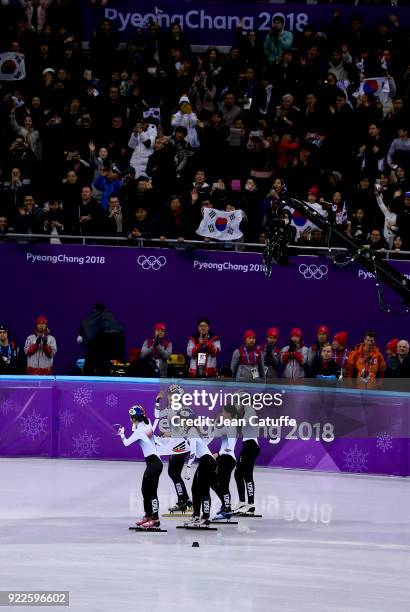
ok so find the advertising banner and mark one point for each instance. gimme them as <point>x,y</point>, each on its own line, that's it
<point>214,23</point>
<point>144,286</point>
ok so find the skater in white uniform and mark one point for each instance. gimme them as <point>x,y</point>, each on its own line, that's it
<point>172,443</point>
<point>225,462</point>
<point>246,462</point>
<point>204,476</point>
<point>143,434</point>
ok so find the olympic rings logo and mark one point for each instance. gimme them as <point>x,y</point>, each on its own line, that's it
<point>151,262</point>
<point>313,271</point>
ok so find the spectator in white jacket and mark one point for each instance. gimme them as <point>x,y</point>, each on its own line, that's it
<point>142,142</point>
<point>390,218</point>
<point>187,118</point>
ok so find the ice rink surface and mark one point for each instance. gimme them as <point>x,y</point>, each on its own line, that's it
<point>326,542</point>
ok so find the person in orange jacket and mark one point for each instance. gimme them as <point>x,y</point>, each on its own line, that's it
<point>366,363</point>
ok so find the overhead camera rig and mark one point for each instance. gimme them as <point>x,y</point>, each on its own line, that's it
<point>368,259</point>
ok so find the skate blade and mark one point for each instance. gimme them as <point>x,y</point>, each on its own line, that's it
<point>177,514</point>
<point>151,529</point>
<point>197,527</point>
<point>248,515</point>
<point>225,522</point>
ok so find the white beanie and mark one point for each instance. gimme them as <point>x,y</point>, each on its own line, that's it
<point>184,99</point>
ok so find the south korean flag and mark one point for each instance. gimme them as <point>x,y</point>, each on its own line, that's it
<point>12,67</point>
<point>220,225</point>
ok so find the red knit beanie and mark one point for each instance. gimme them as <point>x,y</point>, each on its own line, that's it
<point>273,331</point>
<point>341,338</point>
<point>296,331</point>
<point>322,329</point>
<point>41,319</point>
<point>392,345</point>
<point>159,326</point>
<point>249,334</point>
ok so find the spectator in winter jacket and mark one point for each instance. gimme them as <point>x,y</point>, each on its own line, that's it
<point>113,222</point>
<point>142,143</point>
<point>366,363</point>
<point>398,366</point>
<point>247,361</point>
<point>30,217</point>
<point>390,218</point>
<point>294,356</point>
<point>142,224</point>
<point>270,353</point>
<point>10,355</point>
<point>102,337</point>
<point>109,183</point>
<point>40,349</point>
<point>340,352</point>
<point>325,367</point>
<point>187,118</point>
<point>322,338</point>
<point>277,41</point>
<point>54,221</point>
<point>85,217</point>
<point>203,348</point>
<point>158,348</point>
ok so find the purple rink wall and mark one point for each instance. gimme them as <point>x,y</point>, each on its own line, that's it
<point>144,286</point>
<point>336,430</point>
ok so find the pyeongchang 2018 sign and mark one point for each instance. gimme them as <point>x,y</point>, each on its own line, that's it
<point>209,23</point>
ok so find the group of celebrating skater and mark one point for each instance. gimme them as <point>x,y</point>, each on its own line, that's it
<point>185,442</point>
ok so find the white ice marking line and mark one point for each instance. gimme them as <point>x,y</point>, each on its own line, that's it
<point>340,543</point>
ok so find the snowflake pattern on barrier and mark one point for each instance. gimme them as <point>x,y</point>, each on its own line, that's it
<point>82,396</point>
<point>66,417</point>
<point>6,407</point>
<point>310,460</point>
<point>33,425</point>
<point>384,442</point>
<point>355,460</point>
<point>111,400</point>
<point>85,445</point>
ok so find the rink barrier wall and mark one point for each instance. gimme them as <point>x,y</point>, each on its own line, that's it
<point>78,417</point>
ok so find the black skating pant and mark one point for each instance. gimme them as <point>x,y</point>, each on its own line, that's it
<point>244,470</point>
<point>175,467</point>
<point>225,464</point>
<point>203,479</point>
<point>149,487</point>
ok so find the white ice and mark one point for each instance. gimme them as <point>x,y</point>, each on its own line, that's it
<point>326,542</point>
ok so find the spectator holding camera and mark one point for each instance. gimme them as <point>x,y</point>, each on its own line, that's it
<point>277,41</point>
<point>247,361</point>
<point>203,348</point>
<point>40,348</point>
<point>294,356</point>
<point>271,353</point>
<point>158,348</point>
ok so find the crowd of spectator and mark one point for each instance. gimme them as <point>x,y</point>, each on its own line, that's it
<point>136,141</point>
<point>329,358</point>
